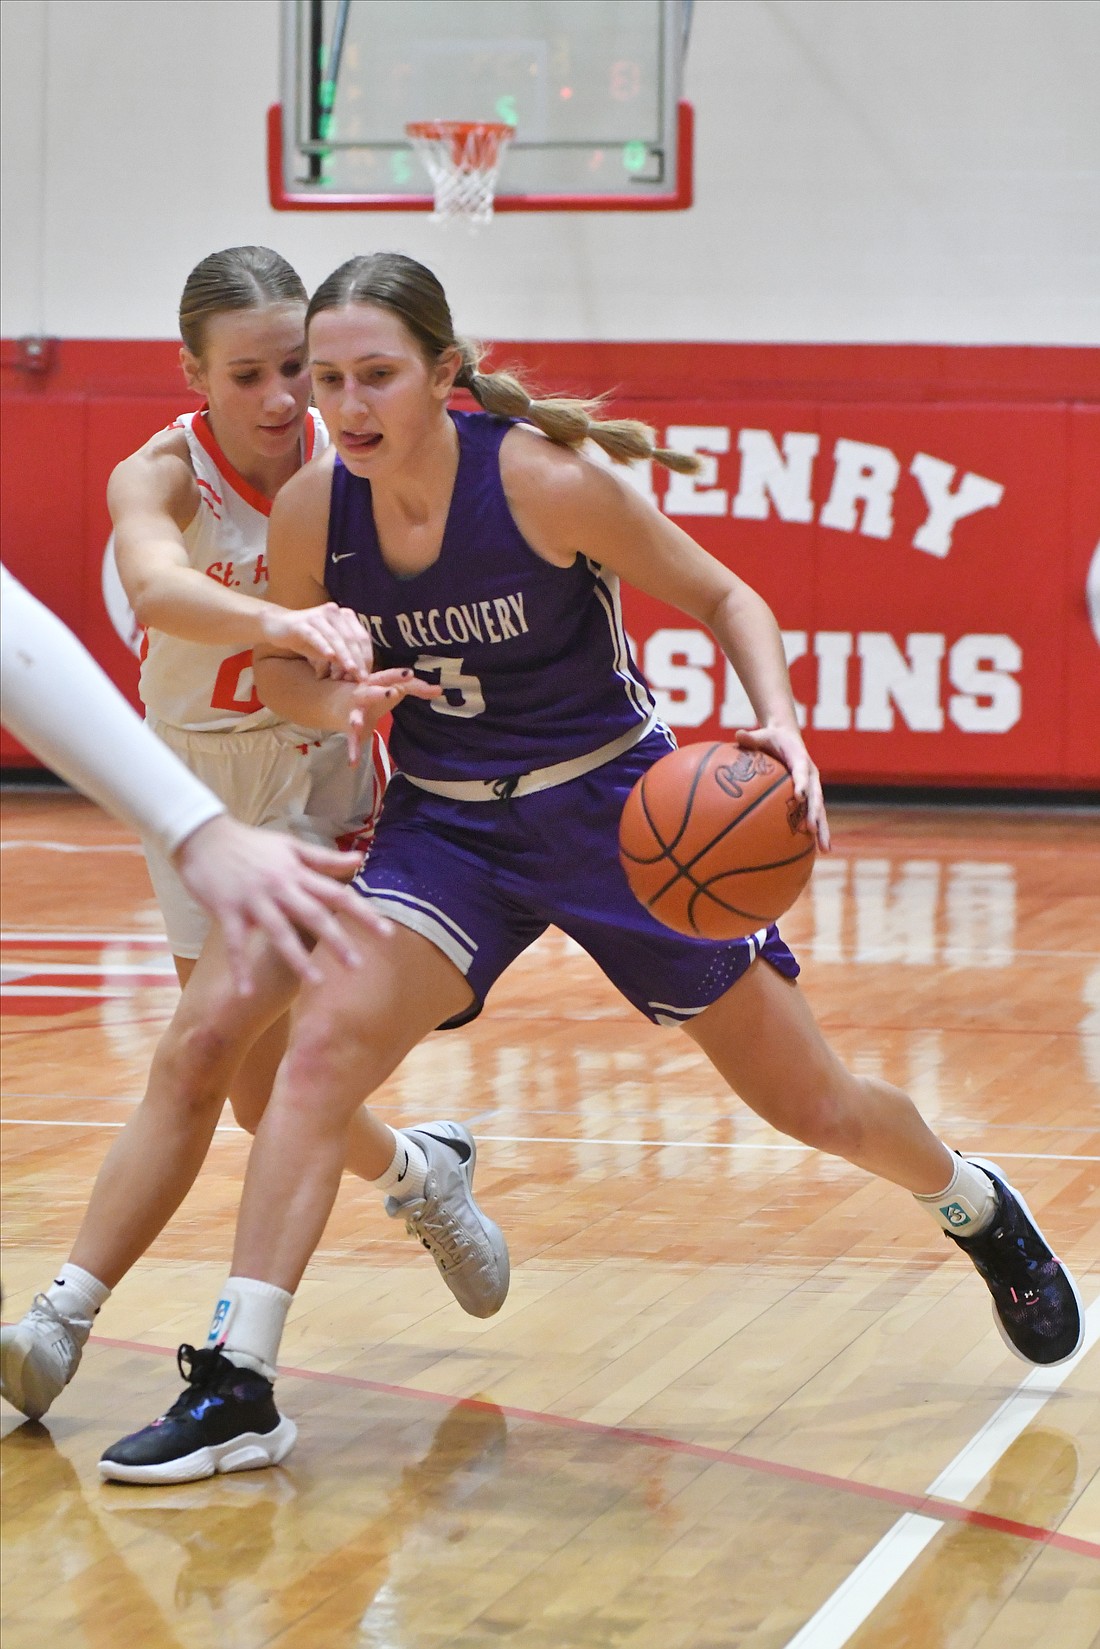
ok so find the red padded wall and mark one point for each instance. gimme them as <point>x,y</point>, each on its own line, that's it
<point>997,603</point>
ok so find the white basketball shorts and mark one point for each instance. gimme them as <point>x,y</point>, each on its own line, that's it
<point>279,779</point>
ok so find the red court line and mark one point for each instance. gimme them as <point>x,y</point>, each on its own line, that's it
<point>945,1511</point>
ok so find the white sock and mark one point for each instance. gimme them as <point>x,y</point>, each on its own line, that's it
<point>77,1295</point>
<point>405,1176</point>
<point>967,1203</point>
<point>248,1323</point>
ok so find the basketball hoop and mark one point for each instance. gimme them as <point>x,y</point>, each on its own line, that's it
<point>463,159</point>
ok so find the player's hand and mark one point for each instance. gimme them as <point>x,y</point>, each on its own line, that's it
<point>261,880</point>
<point>330,637</point>
<point>374,698</point>
<point>785,744</point>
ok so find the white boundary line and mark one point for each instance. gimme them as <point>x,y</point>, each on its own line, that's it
<point>69,847</point>
<point>871,1580</point>
<point>13,972</point>
<point>526,1139</point>
<point>79,936</point>
<point>31,1122</point>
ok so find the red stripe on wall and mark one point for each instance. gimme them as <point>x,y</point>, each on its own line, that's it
<point>845,372</point>
<point>900,701</point>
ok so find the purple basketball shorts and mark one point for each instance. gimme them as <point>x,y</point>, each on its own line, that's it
<point>482,881</point>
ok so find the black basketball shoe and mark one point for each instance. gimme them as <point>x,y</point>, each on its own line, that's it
<point>225,1421</point>
<point>1036,1305</point>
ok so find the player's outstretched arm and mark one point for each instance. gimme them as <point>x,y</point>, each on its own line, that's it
<point>264,880</point>
<point>152,496</point>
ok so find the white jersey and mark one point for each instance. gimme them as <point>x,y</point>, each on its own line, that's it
<point>191,684</point>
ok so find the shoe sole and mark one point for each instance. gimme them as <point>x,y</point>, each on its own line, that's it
<point>992,1168</point>
<point>249,1452</point>
<point>500,1250</point>
<point>18,1385</point>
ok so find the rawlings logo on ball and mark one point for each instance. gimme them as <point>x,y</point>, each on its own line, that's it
<point>733,776</point>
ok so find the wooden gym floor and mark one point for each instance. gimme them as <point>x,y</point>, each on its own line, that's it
<point>740,1394</point>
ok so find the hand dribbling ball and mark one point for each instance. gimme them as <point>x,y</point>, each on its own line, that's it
<point>714,842</point>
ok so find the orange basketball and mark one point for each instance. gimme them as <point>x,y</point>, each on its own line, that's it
<point>714,841</point>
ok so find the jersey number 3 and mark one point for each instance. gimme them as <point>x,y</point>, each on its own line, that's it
<point>461,696</point>
<point>235,688</point>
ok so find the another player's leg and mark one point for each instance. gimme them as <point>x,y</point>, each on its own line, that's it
<point>148,1171</point>
<point>446,1148</point>
<point>427,1181</point>
<point>251,1087</point>
<point>350,1032</point>
<point>764,1040</point>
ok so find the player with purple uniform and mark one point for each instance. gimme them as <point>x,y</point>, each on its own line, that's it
<point>483,553</point>
<point>543,705</point>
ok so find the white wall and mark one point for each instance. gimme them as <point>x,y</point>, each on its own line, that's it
<point>867,170</point>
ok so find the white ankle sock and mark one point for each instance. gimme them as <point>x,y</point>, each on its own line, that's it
<point>405,1176</point>
<point>967,1203</point>
<point>76,1294</point>
<point>248,1323</point>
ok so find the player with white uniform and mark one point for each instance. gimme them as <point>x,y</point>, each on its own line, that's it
<point>200,699</point>
<point>190,512</point>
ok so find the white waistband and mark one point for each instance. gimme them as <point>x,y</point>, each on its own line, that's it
<point>542,778</point>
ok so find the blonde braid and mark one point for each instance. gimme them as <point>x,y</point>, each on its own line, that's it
<point>565,420</point>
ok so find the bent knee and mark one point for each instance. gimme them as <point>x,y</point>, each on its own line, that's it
<point>196,1056</point>
<point>332,1060</point>
<point>832,1122</point>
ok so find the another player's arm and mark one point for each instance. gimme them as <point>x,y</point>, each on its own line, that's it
<point>152,497</point>
<point>297,538</point>
<point>566,506</point>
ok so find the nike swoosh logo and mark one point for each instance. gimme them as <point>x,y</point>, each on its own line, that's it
<point>404,1170</point>
<point>345,557</point>
<point>459,1146</point>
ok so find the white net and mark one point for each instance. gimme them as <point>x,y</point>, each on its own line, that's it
<point>462,159</point>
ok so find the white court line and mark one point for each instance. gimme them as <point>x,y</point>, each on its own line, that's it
<point>70,847</point>
<point>743,1145</point>
<point>857,1597</point>
<point>654,1144</point>
<point>32,1122</point>
<point>78,936</point>
<point>74,970</point>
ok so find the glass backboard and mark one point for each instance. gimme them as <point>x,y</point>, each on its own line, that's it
<point>592,88</point>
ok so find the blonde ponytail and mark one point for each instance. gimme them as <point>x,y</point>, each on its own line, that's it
<point>566,420</point>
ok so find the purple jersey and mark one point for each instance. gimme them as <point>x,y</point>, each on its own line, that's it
<point>533,659</point>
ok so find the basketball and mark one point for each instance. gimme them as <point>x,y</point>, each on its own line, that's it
<point>714,842</point>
